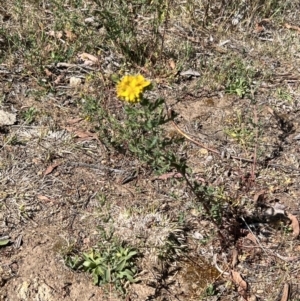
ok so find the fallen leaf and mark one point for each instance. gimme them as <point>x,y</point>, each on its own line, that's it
<point>172,64</point>
<point>240,283</point>
<point>74,120</point>
<point>220,49</point>
<point>288,26</point>
<point>295,224</point>
<point>88,63</point>
<point>270,110</point>
<point>81,134</point>
<point>88,59</point>
<point>56,34</point>
<point>86,56</point>
<point>70,35</point>
<point>251,237</point>
<point>259,197</point>
<point>50,168</point>
<point>287,259</point>
<point>286,292</point>
<point>43,198</point>
<point>48,72</point>
<point>234,258</point>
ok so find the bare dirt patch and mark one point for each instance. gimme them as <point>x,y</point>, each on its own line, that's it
<point>40,274</point>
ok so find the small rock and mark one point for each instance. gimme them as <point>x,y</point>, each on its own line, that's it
<point>75,82</point>
<point>23,290</point>
<point>197,235</point>
<point>7,118</point>
<point>89,20</point>
<point>190,72</point>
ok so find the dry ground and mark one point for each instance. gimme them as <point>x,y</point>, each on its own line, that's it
<point>64,191</point>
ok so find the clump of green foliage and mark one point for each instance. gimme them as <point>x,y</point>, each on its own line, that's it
<point>141,134</point>
<point>113,264</point>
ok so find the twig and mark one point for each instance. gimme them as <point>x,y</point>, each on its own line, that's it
<point>256,238</point>
<point>230,157</point>
<point>165,27</point>
<point>255,148</point>
<point>95,166</point>
<point>286,292</point>
<point>217,267</point>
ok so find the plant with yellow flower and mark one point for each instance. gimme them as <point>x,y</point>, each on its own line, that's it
<point>132,87</point>
<point>142,132</point>
<point>143,135</point>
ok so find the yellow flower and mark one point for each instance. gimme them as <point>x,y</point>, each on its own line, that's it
<point>131,87</point>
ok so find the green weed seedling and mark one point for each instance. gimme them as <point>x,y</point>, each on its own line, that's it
<point>239,86</point>
<point>210,291</point>
<point>29,115</point>
<point>239,78</point>
<point>284,95</point>
<point>141,133</point>
<point>113,264</point>
<point>240,131</point>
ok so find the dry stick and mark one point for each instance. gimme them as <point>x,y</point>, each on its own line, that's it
<point>203,146</point>
<point>206,208</point>
<point>286,292</point>
<point>260,245</point>
<point>255,148</point>
<point>257,240</point>
<point>165,28</point>
<point>232,157</point>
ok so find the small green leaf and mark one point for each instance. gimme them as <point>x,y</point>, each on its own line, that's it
<point>115,78</point>
<point>127,274</point>
<point>88,264</point>
<point>107,275</point>
<point>131,254</point>
<point>121,265</point>
<point>95,279</point>
<point>99,271</point>
<point>4,242</point>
